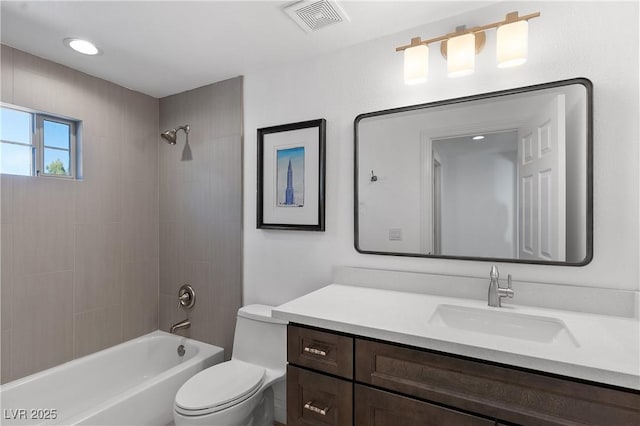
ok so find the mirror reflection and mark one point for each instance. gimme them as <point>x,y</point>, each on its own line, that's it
<point>502,176</point>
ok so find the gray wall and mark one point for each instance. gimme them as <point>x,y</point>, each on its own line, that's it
<point>201,211</point>
<point>79,258</point>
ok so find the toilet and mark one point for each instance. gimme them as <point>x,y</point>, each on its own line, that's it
<point>239,391</point>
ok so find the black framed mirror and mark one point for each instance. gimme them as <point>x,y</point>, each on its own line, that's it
<point>503,176</point>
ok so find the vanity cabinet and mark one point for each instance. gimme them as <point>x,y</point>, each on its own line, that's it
<point>389,384</point>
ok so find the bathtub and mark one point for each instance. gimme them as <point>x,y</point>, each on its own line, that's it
<point>133,383</point>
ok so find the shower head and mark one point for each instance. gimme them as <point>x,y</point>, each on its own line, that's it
<point>169,136</point>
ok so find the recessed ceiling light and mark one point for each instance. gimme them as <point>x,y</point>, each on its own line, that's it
<point>82,46</point>
<point>478,138</point>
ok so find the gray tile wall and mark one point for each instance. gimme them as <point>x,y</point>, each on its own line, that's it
<point>79,258</point>
<point>201,211</point>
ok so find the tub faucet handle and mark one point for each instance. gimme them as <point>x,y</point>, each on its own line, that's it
<point>183,299</point>
<point>186,297</point>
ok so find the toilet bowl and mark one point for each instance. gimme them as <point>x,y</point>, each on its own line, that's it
<point>238,392</point>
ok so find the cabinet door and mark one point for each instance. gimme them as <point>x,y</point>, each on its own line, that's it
<point>316,399</point>
<point>504,393</point>
<point>378,408</point>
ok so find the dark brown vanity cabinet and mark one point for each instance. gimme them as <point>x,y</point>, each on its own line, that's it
<point>338,379</point>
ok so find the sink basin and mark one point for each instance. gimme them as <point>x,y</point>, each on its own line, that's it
<point>503,323</point>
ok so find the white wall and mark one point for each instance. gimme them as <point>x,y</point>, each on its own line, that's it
<point>570,39</point>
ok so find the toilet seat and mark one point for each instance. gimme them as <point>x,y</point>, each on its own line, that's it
<point>219,387</point>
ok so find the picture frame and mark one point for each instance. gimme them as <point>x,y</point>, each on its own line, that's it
<point>291,176</point>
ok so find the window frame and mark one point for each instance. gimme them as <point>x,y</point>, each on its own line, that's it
<point>39,133</point>
<point>37,144</point>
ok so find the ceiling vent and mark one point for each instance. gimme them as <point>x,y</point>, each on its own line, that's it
<point>313,15</point>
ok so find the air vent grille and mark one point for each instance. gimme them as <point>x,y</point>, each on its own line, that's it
<point>314,15</point>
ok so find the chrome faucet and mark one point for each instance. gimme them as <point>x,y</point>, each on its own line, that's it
<point>185,323</point>
<point>496,293</point>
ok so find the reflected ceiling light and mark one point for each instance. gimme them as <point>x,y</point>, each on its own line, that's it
<point>478,138</point>
<point>461,46</point>
<point>82,46</point>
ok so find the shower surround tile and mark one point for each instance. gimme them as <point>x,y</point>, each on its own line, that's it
<point>43,229</point>
<point>140,298</point>
<point>98,194</point>
<point>42,331</point>
<point>169,314</point>
<point>6,278</point>
<point>46,86</point>
<point>79,246</point>
<point>97,329</point>
<point>201,211</point>
<point>172,242</point>
<point>5,357</point>
<point>6,189</point>
<point>6,74</point>
<point>99,259</point>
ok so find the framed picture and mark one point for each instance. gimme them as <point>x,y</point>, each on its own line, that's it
<point>291,173</point>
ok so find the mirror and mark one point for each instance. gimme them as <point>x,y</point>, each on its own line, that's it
<point>503,176</point>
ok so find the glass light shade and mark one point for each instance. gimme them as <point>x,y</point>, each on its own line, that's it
<point>461,55</point>
<point>512,44</point>
<point>416,64</point>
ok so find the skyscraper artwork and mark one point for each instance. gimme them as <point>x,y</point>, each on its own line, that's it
<point>290,177</point>
<point>288,198</point>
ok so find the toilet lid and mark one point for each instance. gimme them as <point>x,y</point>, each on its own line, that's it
<point>219,387</point>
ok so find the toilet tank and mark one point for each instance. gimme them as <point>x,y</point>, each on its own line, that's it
<point>259,338</point>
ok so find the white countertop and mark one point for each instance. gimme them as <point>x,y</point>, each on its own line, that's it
<point>607,350</point>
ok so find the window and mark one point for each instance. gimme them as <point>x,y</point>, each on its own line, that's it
<point>36,144</point>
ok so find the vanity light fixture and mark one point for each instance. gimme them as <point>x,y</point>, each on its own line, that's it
<point>82,46</point>
<point>461,46</point>
<point>478,138</point>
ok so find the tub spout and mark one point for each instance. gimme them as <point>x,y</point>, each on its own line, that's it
<point>182,324</point>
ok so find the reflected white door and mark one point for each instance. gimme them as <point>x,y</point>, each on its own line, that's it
<point>542,184</point>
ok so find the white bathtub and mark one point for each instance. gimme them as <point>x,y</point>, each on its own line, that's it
<point>133,383</point>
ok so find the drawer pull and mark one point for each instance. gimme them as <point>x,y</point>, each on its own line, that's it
<point>322,411</point>
<point>315,351</point>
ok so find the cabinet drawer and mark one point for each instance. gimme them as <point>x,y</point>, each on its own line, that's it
<point>493,391</point>
<point>326,352</point>
<point>378,408</point>
<point>316,399</point>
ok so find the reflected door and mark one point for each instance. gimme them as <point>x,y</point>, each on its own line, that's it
<point>542,184</point>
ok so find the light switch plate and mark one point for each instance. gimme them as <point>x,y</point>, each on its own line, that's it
<point>395,234</point>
